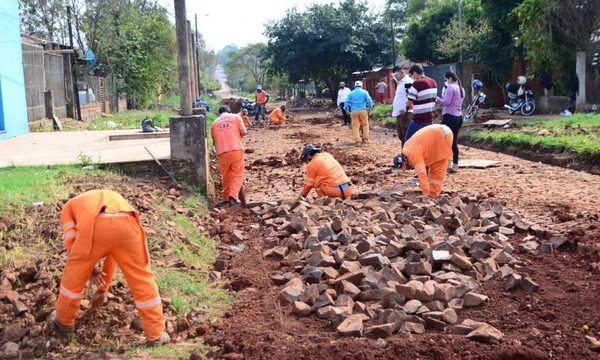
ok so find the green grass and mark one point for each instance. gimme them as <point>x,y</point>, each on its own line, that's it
<point>390,121</point>
<point>579,134</point>
<point>25,185</point>
<point>381,111</point>
<point>171,351</point>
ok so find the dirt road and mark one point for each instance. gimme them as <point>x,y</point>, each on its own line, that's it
<point>542,325</point>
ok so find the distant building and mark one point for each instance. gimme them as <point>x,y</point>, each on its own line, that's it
<point>13,105</point>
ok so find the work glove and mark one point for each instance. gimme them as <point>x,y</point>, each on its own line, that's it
<point>98,299</point>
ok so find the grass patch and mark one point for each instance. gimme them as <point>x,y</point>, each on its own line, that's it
<point>578,134</point>
<point>381,111</point>
<point>390,121</point>
<point>22,186</point>
<point>170,351</point>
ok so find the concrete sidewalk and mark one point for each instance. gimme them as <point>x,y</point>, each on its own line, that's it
<point>64,148</point>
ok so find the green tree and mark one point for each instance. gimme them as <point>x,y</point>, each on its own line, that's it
<point>328,43</point>
<point>43,19</point>
<point>248,63</point>
<point>137,42</point>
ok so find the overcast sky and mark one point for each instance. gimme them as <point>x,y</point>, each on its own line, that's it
<point>241,22</point>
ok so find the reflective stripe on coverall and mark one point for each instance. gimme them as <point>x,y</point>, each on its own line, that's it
<point>277,117</point>
<point>327,177</point>
<point>101,224</point>
<point>430,147</point>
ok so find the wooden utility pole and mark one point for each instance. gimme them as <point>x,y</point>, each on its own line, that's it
<point>73,73</point>
<point>191,61</point>
<point>197,56</point>
<point>183,60</point>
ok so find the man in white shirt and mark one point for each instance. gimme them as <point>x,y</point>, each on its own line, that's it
<point>402,116</point>
<point>341,99</point>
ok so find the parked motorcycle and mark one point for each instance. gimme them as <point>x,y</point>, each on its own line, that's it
<point>520,98</point>
<point>249,105</point>
<point>478,99</point>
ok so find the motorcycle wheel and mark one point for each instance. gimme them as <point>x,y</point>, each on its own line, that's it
<point>528,108</point>
<point>471,112</point>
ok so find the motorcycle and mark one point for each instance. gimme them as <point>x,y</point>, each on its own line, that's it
<point>524,103</point>
<point>474,106</point>
<point>249,105</point>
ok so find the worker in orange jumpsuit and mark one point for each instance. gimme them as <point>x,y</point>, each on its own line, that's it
<point>261,99</point>
<point>227,132</point>
<point>428,151</point>
<point>102,224</point>
<point>244,115</point>
<point>277,116</point>
<point>324,174</point>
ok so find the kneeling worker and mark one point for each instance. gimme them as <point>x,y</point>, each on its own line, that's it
<point>102,224</point>
<point>244,115</point>
<point>277,116</point>
<point>324,174</point>
<point>430,148</point>
<point>227,132</point>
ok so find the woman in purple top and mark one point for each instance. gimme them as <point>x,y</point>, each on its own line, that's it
<point>452,117</point>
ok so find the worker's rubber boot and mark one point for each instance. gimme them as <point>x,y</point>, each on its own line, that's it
<point>63,329</point>
<point>232,201</point>
<point>163,339</point>
<point>453,169</point>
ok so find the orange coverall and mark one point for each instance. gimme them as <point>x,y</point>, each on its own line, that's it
<point>430,147</point>
<point>277,117</point>
<point>245,119</point>
<point>102,224</point>
<point>326,176</point>
<point>227,132</point>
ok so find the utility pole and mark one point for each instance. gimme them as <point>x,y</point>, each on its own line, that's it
<point>74,74</point>
<point>460,59</point>
<point>191,57</point>
<point>197,56</point>
<point>393,40</point>
<point>183,64</point>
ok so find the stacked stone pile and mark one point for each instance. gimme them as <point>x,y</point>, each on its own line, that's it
<point>392,262</point>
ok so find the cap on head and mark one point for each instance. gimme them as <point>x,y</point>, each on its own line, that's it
<point>245,111</point>
<point>309,151</point>
<point>283,107</point>
<point>223,109</point>
<point>358,83</point>
<point>399,161</point>
<point>258,87</point>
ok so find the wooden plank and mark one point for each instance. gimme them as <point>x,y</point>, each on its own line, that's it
<point>496,122</point>
<point>139,136</point>
<point>478,164</point>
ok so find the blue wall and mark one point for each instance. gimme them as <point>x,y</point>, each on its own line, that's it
<point>13,106</point>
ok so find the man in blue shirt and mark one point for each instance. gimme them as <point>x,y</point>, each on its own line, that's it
<point>359,102</point>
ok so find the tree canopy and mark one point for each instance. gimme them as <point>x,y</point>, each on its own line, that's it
<point>328,43</point>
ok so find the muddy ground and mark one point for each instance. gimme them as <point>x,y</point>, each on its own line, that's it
<point>547,324</point>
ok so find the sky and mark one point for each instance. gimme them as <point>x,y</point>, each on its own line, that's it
<point>241,22</point>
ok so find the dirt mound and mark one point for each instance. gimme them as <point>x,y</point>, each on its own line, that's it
<point>309,103</point>
<point>292,157</point>
<point>271,161</point>
<point>303,136</point>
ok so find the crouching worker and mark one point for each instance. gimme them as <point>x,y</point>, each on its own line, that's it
<point>102,224</point>
<point>227,132</point>
<point>430,148</point>
<point>277,116</point>
<point>324,174</point>
<point>244,115</point>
